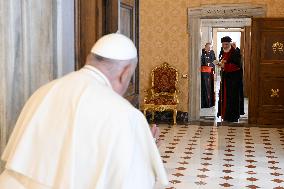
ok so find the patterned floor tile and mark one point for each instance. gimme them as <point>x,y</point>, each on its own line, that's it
<point>222,157</point>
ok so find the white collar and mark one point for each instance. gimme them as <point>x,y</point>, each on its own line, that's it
<point>98,74</point>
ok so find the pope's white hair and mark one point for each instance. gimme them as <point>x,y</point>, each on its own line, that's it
<point>99,59</point>
<point>110,65</point>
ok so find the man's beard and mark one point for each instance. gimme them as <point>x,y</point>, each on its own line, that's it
<point>227,50</point>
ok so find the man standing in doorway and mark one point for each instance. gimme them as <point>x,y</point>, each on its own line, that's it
<point>207,77</point>
<point>230,97</point>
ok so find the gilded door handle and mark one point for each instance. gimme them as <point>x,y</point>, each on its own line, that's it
<point>274,93</point>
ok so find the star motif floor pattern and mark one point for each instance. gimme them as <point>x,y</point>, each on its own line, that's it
<point>208,157</point>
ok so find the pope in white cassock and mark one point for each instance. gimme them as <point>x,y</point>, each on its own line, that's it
<point>77,132</point>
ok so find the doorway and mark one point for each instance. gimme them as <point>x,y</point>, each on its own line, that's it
<point>213,35</point>
<point>221,16</point>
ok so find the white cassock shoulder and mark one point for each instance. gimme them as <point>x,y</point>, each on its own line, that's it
<point>76,133</point>
<point>25,116</point>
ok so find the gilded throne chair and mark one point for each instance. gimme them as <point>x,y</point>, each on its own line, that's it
<point>162,96</point>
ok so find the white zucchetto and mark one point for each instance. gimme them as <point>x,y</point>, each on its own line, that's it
<point>115,46</point>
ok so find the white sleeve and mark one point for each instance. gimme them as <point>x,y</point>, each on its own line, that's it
<point>148,149</point>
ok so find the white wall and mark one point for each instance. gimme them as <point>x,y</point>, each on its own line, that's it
<point>36,46</point>
<point>65,36</point>
<point>206,35</point>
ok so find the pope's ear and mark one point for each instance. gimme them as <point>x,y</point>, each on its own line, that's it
<point>125,73</point>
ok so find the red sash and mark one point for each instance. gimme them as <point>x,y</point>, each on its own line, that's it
<point>229,67</point>
<point>207,69</point>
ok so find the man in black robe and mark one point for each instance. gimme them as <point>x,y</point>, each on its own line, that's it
<point>231,97</point>
<point>207,77</point>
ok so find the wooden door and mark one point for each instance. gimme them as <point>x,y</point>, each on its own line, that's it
<point>129,27</point>
<point>93,19</point>
<point>266,100</point>
<point>246,59</point>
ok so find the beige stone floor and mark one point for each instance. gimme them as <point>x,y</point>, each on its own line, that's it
<point>209,157</point>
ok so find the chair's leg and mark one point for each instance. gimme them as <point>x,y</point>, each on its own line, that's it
<point>175,116</point>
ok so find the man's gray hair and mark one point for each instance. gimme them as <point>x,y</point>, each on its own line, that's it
<point>99,58</point>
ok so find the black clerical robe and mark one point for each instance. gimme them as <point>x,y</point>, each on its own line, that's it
<point>207,79</point>
<point>231,98</point>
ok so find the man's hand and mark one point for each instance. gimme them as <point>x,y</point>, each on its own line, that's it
<point>156,133</point>
<point>222,63</point>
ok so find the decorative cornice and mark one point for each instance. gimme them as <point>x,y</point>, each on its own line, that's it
<point>228,11</point>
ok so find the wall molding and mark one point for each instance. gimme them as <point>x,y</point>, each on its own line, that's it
<point>228,11</point>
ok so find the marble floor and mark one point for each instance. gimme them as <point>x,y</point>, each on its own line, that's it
<point>209,157</point>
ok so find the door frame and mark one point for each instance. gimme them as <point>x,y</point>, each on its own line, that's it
<point>195,15</point>
<point>93,19</point>
<point>133,7</point>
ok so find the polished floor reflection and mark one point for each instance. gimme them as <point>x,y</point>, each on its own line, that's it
<point>222,157</point>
